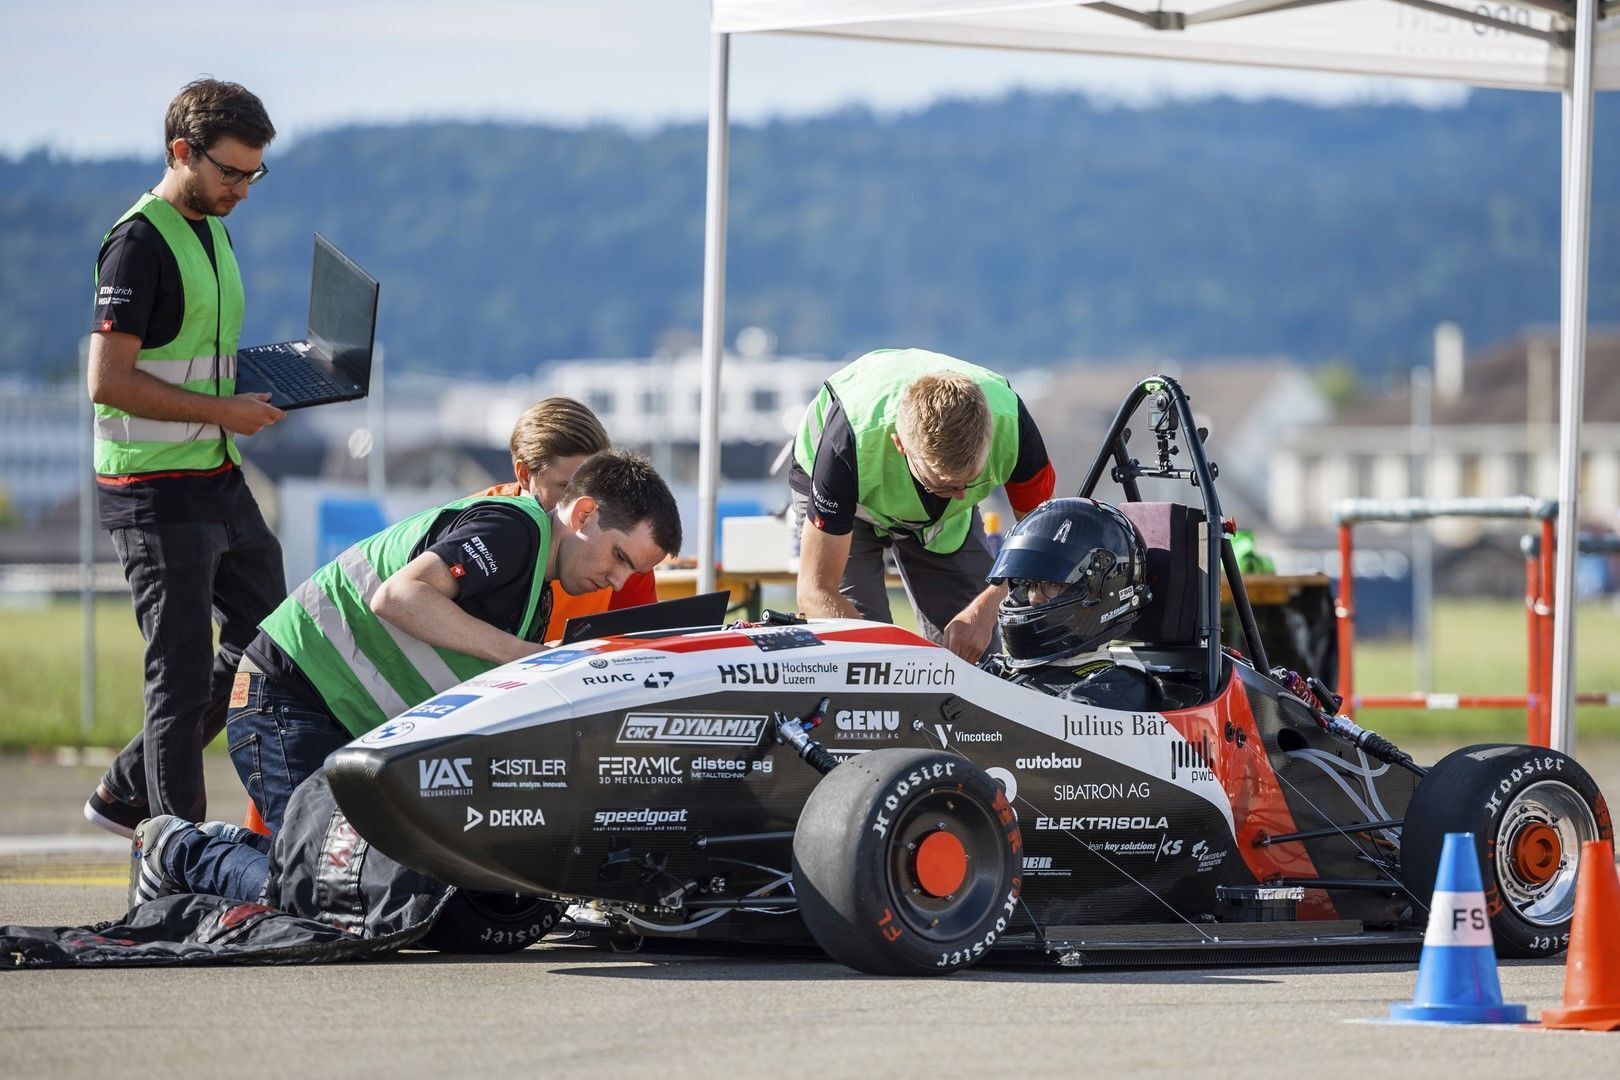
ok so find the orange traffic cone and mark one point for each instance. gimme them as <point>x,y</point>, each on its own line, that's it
<point>1592,978</point>
<point>253,821</point>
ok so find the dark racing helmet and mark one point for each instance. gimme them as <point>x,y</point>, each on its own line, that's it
<point>1076,578</point>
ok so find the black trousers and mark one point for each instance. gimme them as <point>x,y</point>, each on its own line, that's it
<point>183,576</point>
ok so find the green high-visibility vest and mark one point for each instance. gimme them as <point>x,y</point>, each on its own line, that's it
<point>366,669</point>
<point>870,390</point>
<point>201,358</point>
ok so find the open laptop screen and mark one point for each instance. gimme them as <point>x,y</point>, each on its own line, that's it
<point>705,609</point>
<point>342,311</point>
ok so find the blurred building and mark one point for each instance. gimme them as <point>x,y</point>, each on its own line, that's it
<point>1494,433</point>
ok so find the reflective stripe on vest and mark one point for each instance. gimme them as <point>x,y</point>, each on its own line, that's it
<point>366,669</point>
<point>870,389</point>
<point>201,358</point>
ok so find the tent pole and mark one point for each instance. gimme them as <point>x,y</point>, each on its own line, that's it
<point>1577,200</point>
<point>714,307</point>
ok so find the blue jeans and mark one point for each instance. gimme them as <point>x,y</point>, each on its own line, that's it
<point>276,741</point>
<point>236,869</point>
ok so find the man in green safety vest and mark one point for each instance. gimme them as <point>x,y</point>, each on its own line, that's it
<point>162,375</point>
<point>896,451</point>
<point>437,599</point>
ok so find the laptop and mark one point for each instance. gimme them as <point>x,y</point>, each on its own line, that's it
<point>333,362</point>
<point>704,609</point>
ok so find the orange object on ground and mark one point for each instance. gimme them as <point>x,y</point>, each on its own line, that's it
<point>1592,977</point>
<point>254,822</point>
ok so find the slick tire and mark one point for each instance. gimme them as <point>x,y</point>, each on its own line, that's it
<point>481,923</point>
<point>907,862</point>
<point>1529,809</point>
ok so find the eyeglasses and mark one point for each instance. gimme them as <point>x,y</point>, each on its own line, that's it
<point>231,176</point>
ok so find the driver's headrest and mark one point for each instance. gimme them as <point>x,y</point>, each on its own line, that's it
<point>1170,537</point>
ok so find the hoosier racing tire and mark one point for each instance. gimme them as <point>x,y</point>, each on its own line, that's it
<point>907,862</point>
<point>489,924</point>
<point>1528,808</point>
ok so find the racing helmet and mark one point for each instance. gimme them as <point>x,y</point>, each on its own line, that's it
<point>1076,577</point>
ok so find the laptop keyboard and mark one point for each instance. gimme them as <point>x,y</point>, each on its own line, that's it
<point>292,374</point>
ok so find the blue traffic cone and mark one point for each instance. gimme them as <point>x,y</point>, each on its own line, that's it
<point>1457,981</point>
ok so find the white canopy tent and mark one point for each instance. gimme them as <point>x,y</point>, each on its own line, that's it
<point>1572,46</point>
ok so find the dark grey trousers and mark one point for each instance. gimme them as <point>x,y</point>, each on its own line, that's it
<point>182,577</point>
<point>938,586</point>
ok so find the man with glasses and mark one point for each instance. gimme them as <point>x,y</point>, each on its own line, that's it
<point>897,450</point>
<point>168,313</point>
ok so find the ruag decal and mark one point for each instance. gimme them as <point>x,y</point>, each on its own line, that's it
<point>443,705</point>
<point>692,729</point>
<point>867,725</point>
<point>390,731</point>
<point>898,673</point>
<point>1089,823</point>
<point>1191,761</point>
<point>609,678</point>
<point>718,767</point>
<point>556,657</point>
<point>645,819</point>
<point>1207,858</point>
<point>631,769</point>
<point>1112,789</point>
<point>527,774</point>
<point>439,777</point>
<point>528,817</point>
<point>775,672</point>
<point>1042,866</point>
<point>778,640</point>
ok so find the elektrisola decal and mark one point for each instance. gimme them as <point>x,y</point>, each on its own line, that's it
<point>1091,823</point>
<point>692,729</point>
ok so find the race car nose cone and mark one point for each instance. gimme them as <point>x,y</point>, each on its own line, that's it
<point>941,864</point>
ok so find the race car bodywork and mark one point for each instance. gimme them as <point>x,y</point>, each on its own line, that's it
<point>664,778</point>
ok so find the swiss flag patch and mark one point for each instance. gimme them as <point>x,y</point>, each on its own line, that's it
<point>106,324</point>
<point>458,571</point>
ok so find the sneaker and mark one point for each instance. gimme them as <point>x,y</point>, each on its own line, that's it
<point>105,811</point>
<point>225,830</point>
<point>147,881</point>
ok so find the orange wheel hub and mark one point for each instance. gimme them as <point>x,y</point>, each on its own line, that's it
<point>942,864</point>
<point>1537,852</point>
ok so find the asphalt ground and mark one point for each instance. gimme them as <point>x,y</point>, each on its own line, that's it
<point>566,1009</point>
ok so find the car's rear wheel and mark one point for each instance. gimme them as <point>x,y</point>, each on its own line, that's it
<point>1529,810</point>
<point>906,862</point>
<point>483,923</point>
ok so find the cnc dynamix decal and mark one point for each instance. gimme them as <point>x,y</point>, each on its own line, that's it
<point>692,729</point>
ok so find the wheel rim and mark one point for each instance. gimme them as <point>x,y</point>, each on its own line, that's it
<point>945,864</point>
<point>1538,849</point>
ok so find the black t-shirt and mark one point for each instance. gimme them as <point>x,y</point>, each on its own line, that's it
<point>492,550</point>
<point>139,291</point>
<point>833,489</point>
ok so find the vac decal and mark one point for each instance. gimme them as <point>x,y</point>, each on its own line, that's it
<point>444,776</point>
<point>692,729</point>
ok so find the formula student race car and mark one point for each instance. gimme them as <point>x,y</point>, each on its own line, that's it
<point>850,784</point>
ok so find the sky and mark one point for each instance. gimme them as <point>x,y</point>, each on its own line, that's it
<point>91,80</point>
